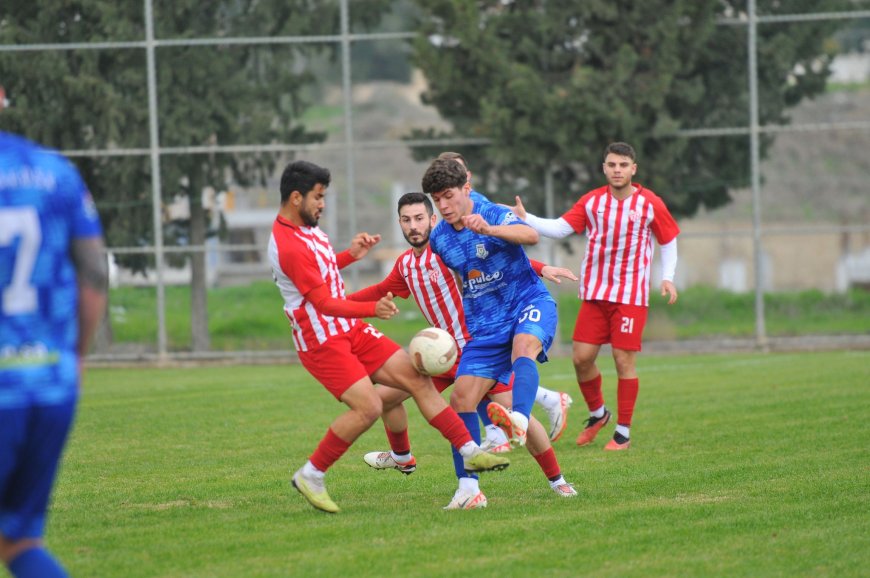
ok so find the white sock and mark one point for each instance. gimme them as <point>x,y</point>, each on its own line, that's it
<point>469,485</point>
<point>468,449</point>
<point>558,482</point>
<point>309,470</point>
<point>520,420</point>
<point>598,412</point>
<point>401,459</point>
<point>622,430</point>
<point>546,398</point>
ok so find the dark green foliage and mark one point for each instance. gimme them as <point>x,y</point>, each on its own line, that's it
<point>226,95</point>
<point>552,82</point>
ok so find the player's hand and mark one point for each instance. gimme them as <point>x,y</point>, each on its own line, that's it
<point>361,243</point>
<point>385,307</point>
<point>519,210</point>
<point>669,289</point>
<point>555,274</point>
<point>476,223</point>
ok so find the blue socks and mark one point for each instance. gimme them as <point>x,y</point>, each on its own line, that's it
<point>473,425</point>
<point>526,381</point>
<point>36,563</point>
<point>481,411</point>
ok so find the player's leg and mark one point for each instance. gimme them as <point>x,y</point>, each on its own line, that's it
<point>627,324</point>
<point>400,373</point>
<point>539,446</point>
<point>364,409</point>
<point>395,420</point>
<point>591,330</point>
<point>33,441</point>
<point>495,442</point>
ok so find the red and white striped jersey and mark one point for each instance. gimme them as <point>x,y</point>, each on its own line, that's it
<point>433,287</point>
<point>619,249</point>
<point>302,259</point>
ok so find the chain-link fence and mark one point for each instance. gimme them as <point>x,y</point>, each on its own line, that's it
<point>801,225</point>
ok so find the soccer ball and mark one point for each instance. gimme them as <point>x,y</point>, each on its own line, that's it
<point>433,351</point>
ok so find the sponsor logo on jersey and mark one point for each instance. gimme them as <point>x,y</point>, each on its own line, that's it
<point>478,281</point>
<point>482,253</point>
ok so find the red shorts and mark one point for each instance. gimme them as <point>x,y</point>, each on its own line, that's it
<point>345,359</point>
<point>600,322</point>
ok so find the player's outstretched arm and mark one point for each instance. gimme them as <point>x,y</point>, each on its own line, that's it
<point>518,234</point>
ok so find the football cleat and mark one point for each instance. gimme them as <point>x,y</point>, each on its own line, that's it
<point>466,501</point>
<point>564,489</point>
<point>494,447</point>
<point>386,461</point>
<point>314,491</point>
<point>618,443</point>
<point>512,423</point>
<point>481,461</point>
<point>593,426</point>
<point>559,416</point>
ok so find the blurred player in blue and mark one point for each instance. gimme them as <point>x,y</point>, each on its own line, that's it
<point>509,312</point>
<point>53,278</point>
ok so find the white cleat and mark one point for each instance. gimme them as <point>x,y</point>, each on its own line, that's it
<point>496,447</point>
<point>558,416</point>
<point>386,461</point>
<point>463,500</point>
<point>564,489</point>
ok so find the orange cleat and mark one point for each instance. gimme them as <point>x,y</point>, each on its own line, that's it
<point>618,443</point>
<point>593,426</point>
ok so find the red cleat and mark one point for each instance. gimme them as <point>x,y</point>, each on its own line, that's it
<point>615,445</point>
<point>593,426</point>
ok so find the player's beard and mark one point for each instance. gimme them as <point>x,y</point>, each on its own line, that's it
<point>420,243</point>
<point>308,218</point>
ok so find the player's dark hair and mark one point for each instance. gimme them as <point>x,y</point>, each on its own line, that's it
<point>302,176</point>
<point>444,174</point>
<point>622,149</point>
<point>416,199</point>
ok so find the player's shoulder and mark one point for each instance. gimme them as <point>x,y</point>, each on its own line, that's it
<point>478,197</point>
<point>650,195</point>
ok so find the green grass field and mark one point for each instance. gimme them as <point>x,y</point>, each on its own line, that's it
<point>741,465</point>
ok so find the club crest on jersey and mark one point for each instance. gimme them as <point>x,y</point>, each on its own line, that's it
<point>482,253</point>
<point>634,216</point>
<point>433,275</point>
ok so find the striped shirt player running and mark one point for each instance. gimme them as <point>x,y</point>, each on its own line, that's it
<point>420,273</point>
<point>343,353</point>
<point>620,221</point>
<point>53,280</point>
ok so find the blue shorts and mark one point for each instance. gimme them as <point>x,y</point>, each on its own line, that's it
<point>490,356</point>
<point>33,441</point>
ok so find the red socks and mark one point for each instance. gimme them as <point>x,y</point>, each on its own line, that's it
<point>399,442</point>
<point>331,448</point>
<point>549,464</point>
<point>451,427</point>
<point>626,396</point>
<point>591,391</point>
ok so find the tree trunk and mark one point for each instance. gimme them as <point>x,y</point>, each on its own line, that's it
<point>200,338</point>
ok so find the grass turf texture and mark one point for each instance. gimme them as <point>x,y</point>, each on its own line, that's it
<point>741,465</point>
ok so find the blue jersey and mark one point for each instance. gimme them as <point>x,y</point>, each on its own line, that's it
<point>497,278</point>
<point>44,206</point>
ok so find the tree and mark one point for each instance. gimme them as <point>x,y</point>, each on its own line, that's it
<point>551,82</point>
<point>224,95</point>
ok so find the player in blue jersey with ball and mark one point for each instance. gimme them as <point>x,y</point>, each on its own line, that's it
<point>53,278</point>
<point>509,312</point>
